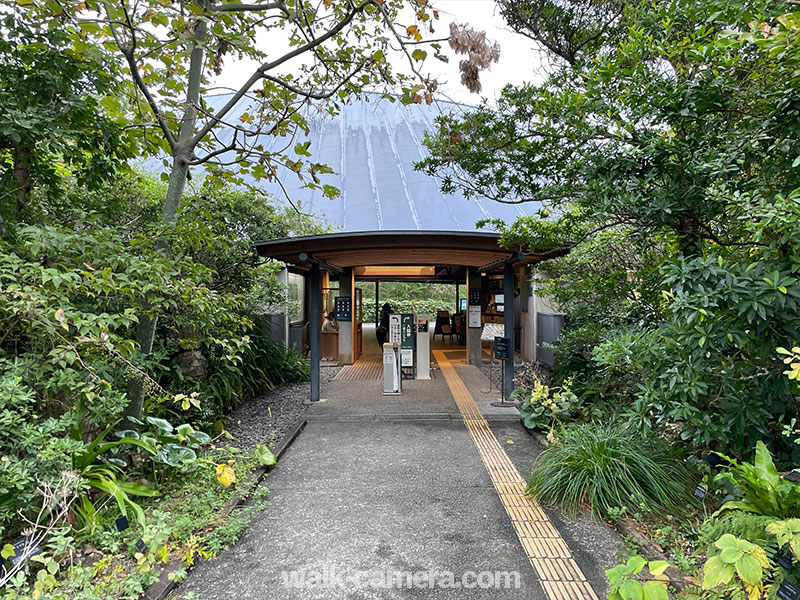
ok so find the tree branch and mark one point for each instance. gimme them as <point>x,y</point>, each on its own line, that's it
<point>249,7</point>
<point>230,147</point>
<point>317,95</point>
<point>128,51</point>
<point>266,67</point>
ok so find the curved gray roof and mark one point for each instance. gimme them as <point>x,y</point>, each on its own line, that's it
<point>372,145</point>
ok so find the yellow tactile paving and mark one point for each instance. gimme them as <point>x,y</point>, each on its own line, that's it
<point>560,576</point>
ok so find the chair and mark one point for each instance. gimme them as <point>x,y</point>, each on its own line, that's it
<point>443,326</point>
<point>329,344</point>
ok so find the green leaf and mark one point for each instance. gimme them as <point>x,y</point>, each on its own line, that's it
<point>630,589</point>
<point>726,540</point>
<point>654,590</point>
<point>636,563</point>
<point>199,437</point>
<point>657,567</point>
<point>162,424</point>
<point>7,551</point>
<point>176,456</point>
<point>716,572</point>
<point>730,555</point>
<point>184,431</point>
<point>264,455</point>
<point>765,468</point>
<point>749,570</point>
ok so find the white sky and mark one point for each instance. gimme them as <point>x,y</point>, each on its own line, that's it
<point>519,60</point>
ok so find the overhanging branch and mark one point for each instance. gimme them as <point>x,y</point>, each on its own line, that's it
<point>236,7</point>
<point>266,67</point>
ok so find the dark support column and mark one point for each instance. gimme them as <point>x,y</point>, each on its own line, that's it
<point>377,303</point>
<point>315,311</point>
<point>508,321</point>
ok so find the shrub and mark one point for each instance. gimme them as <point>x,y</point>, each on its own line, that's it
<point>608,467</point>
<point>68,306</point>
<point>263,365</point>
<point>544,407</point>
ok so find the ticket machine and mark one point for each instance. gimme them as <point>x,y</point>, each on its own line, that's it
<point>392,371</point>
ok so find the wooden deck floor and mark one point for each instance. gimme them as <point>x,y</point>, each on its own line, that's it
<point>368,367</point>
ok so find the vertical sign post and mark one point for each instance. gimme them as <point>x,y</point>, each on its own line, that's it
<point>406,340</point>
<point>508,321</point>
<point>502,350</point>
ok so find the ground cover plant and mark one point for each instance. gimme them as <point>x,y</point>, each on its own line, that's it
<point>191,519</point>
<point>741,550</point>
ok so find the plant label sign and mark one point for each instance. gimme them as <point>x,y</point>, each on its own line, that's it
<point>122,523</point>
<point>788,591</point>
<point>502,348</point>
<point>140,546</point>
<point>20,553</point>
<point>793,476</point>
<point>700,492</point>
<point>343,308</point>
<point>785,561</point>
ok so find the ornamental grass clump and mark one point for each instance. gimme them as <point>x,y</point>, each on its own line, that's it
<point>609,467</point>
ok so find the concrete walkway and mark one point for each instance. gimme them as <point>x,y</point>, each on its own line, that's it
<point>388,497</point>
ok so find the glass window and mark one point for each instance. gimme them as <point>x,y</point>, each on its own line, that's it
<point>297,284</point>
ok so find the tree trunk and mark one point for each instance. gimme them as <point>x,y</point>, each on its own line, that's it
<point>22,174</point>
<point>181,156</point>
<point>689,237</point>
<point>146,330</point>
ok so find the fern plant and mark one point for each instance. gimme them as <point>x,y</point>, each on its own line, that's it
<point>762,491</point>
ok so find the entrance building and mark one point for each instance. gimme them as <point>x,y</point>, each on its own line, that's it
<point>499,288</point>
